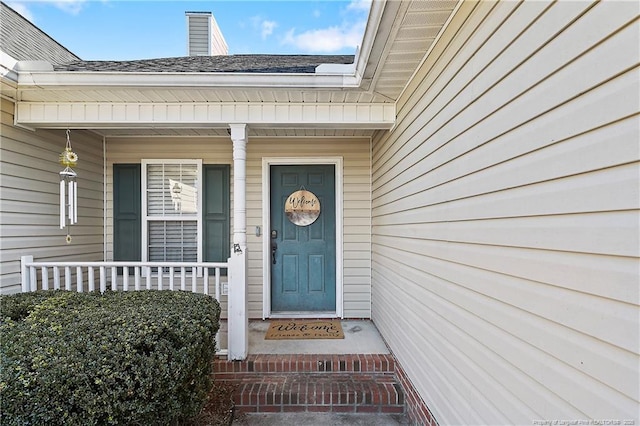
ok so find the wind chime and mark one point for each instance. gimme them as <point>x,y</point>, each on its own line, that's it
<point>68,189</point>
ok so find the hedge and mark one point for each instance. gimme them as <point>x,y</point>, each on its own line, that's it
<point>140,357</point>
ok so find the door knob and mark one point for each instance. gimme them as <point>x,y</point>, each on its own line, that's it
<point>274,247</point>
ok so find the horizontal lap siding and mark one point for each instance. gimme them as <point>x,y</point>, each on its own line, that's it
<point>357,219</point>
<point>505,216</point>
<point>134,150</point>
<point>29,203</point>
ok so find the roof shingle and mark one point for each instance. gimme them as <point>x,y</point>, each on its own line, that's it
<point>227,64</point>
<point>23,41</point>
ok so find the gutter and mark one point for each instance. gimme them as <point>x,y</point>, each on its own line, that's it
<point>326,76</point>
<point>29,77</point>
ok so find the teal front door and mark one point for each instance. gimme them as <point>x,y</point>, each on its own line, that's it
<point>303,257</point>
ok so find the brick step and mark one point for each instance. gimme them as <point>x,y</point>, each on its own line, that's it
<point>314,383</point>
<point>317,392</point>
<point>263,363</point>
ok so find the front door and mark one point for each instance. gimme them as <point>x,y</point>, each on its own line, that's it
<point>303,256</point>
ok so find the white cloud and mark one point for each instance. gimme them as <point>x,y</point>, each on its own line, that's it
<point>264,26</point>
<point>347,35</point>
<point>326,40</point>
<point>361,5</point>
<point>267,28</point>
<point>72,7</point>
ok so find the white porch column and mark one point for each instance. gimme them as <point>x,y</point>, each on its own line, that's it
<point>238,317</point>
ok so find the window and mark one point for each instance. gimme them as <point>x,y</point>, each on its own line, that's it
<point>171,206</point>
<point>186,212</point>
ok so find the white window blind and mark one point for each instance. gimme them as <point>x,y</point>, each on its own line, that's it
<point>173,241</point>
<point>171,204</point>
<point>172,189</point>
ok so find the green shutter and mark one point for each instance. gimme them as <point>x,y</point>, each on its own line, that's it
<point>216,212</point>
<point>127,212</point>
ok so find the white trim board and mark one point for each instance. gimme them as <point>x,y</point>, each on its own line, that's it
<point>267,162</point>
<point>106,115</point>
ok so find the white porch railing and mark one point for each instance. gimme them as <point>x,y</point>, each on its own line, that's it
<point>202,277</point>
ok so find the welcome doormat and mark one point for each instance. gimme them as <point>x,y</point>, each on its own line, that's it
<point>304,329</point>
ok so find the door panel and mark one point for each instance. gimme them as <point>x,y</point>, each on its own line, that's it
<point>303,275</point>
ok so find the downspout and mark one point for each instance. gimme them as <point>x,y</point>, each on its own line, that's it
<point>371,226</point>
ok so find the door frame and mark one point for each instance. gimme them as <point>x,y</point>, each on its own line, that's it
<point>267,162</point>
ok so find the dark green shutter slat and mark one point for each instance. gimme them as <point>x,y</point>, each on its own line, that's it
<point>216,212</point>
<point>127,212</point>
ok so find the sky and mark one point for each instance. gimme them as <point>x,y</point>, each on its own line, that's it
<point>144,29</point>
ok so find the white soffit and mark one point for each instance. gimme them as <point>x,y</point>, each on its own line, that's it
<point>415,29</point>
<point>159,95</point>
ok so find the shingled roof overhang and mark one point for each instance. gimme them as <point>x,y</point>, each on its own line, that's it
<point>269,91</point>
<point>266,64</point>
<point>282,71</point>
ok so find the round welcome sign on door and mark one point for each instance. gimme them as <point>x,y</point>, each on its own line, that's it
<point>302,207</point>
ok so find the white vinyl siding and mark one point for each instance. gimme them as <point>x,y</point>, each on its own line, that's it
<point>199,35</point>
<point>29,204</point>
<point>204,37</point>
<point>356,154</point>
<point>505,216</point>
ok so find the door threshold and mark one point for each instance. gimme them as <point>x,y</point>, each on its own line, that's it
<point>303,314</point>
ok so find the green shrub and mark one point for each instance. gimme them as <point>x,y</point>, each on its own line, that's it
<point>116,358</point>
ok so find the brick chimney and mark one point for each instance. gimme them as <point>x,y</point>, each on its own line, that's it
<point>204,37</point>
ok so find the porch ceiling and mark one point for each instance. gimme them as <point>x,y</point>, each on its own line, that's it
<point>398,36</point>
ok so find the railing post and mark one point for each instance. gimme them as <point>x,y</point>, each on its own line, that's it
<point>237,309</point>
<point>25,273</point>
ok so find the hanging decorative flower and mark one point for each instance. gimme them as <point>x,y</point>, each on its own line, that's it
<point>68,239</point>
<point>68,158</point>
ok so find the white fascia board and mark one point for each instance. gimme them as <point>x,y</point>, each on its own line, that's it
<point>369,36</point>
<point>60,79</point>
